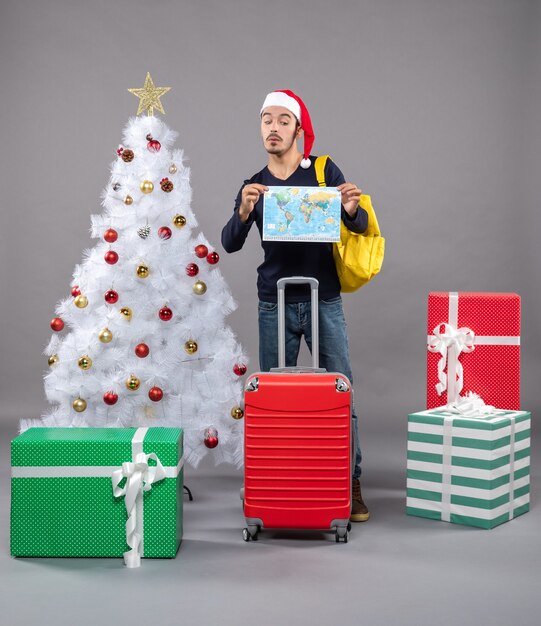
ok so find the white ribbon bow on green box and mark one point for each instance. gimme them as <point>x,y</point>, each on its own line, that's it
<point>140,476</point>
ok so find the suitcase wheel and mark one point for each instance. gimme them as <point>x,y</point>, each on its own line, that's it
<point>250,533</point>
<point>341,534</point>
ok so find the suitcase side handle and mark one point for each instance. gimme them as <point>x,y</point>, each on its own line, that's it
<point>299,369</point>
<point>314,286</point>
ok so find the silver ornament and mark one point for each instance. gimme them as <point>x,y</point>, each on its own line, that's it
<point>144,231</point>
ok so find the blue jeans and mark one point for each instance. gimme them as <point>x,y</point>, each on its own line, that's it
<point>333,343</point>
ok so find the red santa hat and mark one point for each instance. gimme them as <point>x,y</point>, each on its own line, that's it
<point>291,101</point>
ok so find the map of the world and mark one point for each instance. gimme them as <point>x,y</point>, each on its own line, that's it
<point>301,214</point>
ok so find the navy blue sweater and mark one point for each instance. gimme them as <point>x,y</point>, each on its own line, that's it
<point>287,258</point>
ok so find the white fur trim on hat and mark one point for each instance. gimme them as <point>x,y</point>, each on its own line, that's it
<point>280,99</point>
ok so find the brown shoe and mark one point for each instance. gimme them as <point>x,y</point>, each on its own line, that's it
<point>359,510</point>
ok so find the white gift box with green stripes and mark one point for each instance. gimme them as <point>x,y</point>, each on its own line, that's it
<point>468,470</point>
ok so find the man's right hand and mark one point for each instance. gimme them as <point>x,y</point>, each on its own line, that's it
<point>250,195</point>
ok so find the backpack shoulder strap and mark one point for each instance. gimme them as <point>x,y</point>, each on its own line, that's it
<point>320,169</point>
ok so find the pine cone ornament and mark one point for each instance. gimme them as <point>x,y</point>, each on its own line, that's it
<point>144,231</point>
<point>127,155</point>
<point>166,185</point>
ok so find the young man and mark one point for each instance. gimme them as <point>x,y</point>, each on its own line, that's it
<point>284,118</point>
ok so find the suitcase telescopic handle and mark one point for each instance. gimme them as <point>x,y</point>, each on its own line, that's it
<point>281,285</point>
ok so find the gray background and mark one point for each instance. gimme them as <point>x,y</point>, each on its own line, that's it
<point>432,107</point>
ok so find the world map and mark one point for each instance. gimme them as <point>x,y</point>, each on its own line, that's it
<point>301,214</point>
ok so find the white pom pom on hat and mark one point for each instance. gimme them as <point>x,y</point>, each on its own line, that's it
<point>291,101</point>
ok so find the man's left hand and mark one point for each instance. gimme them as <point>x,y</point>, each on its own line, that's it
<point>351,195</point>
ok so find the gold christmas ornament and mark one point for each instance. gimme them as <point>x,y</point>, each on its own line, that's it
<point>237,413</point>
<point>105,335</point>
<point>85,362</point>
<point>133,383</point>
<point>179,221</point>
<point>126,312</point>
<point>79,405</point>
<point>172,168</point>
<point>53,360</point>
<point>190,346</point>
<point>128,200</point>
<point>199,287</point>
<point>143,271</point>
<point>147,186</point>
<point>81,301</point>
<point>149,96</point>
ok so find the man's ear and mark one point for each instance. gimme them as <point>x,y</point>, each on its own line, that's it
<point>300,131</point>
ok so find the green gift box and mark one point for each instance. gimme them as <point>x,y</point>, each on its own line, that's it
<point>468,470</point>
<point>97,492</point>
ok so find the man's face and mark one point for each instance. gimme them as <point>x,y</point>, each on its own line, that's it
<point>279,130</point>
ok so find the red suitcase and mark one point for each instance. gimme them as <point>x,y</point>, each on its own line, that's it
<point>297,441</point>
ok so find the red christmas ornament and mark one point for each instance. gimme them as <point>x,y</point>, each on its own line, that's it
<point>239,369</point>
<point>165,314</point>
<point>155,394</point>
<point>111,296</point>
<point>110,398</point>
<point>110,235</point>
<point>75,291</point>
<point>201,251</point>
<point>164,232</point>
<point>57,324</point>
<point>111,257</point>
<point>192,269</point>
<point>211,437</point>
<point>142,350</point>
<point>120,150</point>
<point>154,145</point>
<point>213,258</point>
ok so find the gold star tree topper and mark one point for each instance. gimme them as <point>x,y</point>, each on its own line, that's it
<point>149,97</point>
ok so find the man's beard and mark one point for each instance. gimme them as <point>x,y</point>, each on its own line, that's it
<point>279,148</point>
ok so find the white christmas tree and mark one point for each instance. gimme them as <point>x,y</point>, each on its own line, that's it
<point>142,340</point>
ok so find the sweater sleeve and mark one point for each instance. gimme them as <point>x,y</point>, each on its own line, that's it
<point>333,178</point>
<point>234,233</point>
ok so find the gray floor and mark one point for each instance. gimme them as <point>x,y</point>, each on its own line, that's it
<point>394,570</point>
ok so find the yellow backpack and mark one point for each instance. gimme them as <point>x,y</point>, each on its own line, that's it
<point>358,257</point>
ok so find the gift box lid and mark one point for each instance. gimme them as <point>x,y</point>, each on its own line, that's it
<point>38,447</point>
<point>486,313</point>
<point>500,419</point>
